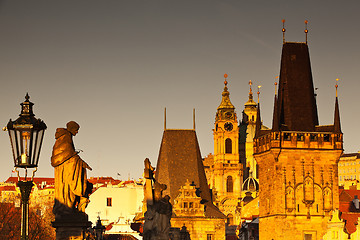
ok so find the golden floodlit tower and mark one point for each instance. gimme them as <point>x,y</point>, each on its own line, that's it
<point>226,169</point>
<point>297,158</point>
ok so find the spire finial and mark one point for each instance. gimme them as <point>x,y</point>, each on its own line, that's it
<point>250,83</point>
<point>306,30</point>
<point>336,86</point>
<point>258,93</point>
<point>194,119</point>
<point>27,97</point>
<point>283,30</point>
<point>225,82</point>
<point>275,84</point>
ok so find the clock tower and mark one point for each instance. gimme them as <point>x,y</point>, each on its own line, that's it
<point>226,169</point>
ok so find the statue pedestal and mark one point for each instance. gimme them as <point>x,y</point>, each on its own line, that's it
<point>71,227</point>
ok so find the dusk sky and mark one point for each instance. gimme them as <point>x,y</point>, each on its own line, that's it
<point>113,66</point>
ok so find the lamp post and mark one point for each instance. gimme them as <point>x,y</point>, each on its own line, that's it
<point>99,230</point>
<point>26,136</point>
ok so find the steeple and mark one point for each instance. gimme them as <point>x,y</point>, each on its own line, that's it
<point>251,101</point>
<point>296,104</point>
<point>225,108</point>
<point>337,125</point>
<point>275,123</point>
<point>225,101</point>
<point>258,117</point>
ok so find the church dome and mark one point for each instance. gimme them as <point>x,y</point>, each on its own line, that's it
<point>250,184</point>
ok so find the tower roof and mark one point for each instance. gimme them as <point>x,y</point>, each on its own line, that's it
<point>296,104</point>
<point>251,101</point>
<point>225,101</point>
<point>180,160</point>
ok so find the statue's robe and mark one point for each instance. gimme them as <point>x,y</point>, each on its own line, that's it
<point>70,173</point>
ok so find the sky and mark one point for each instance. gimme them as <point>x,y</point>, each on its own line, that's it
<point>113,66</point>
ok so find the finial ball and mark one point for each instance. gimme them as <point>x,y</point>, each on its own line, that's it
<point>225,75</point>
<point>283,20</point>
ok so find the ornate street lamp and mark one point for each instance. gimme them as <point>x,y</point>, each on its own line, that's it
<point>26,136</point>
<point>99,230</point>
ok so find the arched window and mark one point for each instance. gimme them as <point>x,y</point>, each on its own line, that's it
<point>229,184</point>
<point>228,145</point>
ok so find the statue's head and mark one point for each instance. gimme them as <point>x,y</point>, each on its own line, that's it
<point>73,127</point>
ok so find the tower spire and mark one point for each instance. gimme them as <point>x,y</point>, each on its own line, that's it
<point>283,30</point>
<point>337,125</point>
<point>258,93</point>
<point>258,117</point>
<point>306,31</point>
<point>275,123</point>
<point>225,101</point>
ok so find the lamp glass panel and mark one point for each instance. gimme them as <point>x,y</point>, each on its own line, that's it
<point>25,149</point>
<point>37,141</point>
<point>14,146</point>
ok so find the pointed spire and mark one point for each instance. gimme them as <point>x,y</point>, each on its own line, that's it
<point>337,125</point>
<point>258,117</point>
<point>225,101</point>
<point>258,93</point>
<point>297,110</point>
<point>275,123</point>
<point>250,102</point>
<point>306,31</point>
<point>283,30</point>
<point>258,122</point>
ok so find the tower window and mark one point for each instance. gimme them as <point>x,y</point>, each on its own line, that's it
<point>229,184</point>
<point>228,145</point>
<point>326,137</point>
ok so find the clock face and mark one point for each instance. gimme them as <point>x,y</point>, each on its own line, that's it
<point>228,126</point>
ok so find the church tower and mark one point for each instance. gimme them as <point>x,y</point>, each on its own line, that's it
<point>226,169</point>
<point>246,137</point>
<point>297,158</point>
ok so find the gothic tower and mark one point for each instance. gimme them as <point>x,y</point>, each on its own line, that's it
<point>226,169</point>
<point>297,158</point>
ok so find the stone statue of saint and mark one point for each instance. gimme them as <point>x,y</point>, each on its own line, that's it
<point>159,209</point>
<point>71,186</point>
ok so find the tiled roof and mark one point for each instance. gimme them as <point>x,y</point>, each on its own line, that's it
<point>296,102</point>
<point>180,160</point>
<point>348,211</point>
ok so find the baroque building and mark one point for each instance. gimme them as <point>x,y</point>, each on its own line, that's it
<point>298,171</point>
<point>225,172</point>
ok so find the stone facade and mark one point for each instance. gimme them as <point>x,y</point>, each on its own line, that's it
<point>188,211</point>
<point>224,170</point>
<point>298,159</point>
